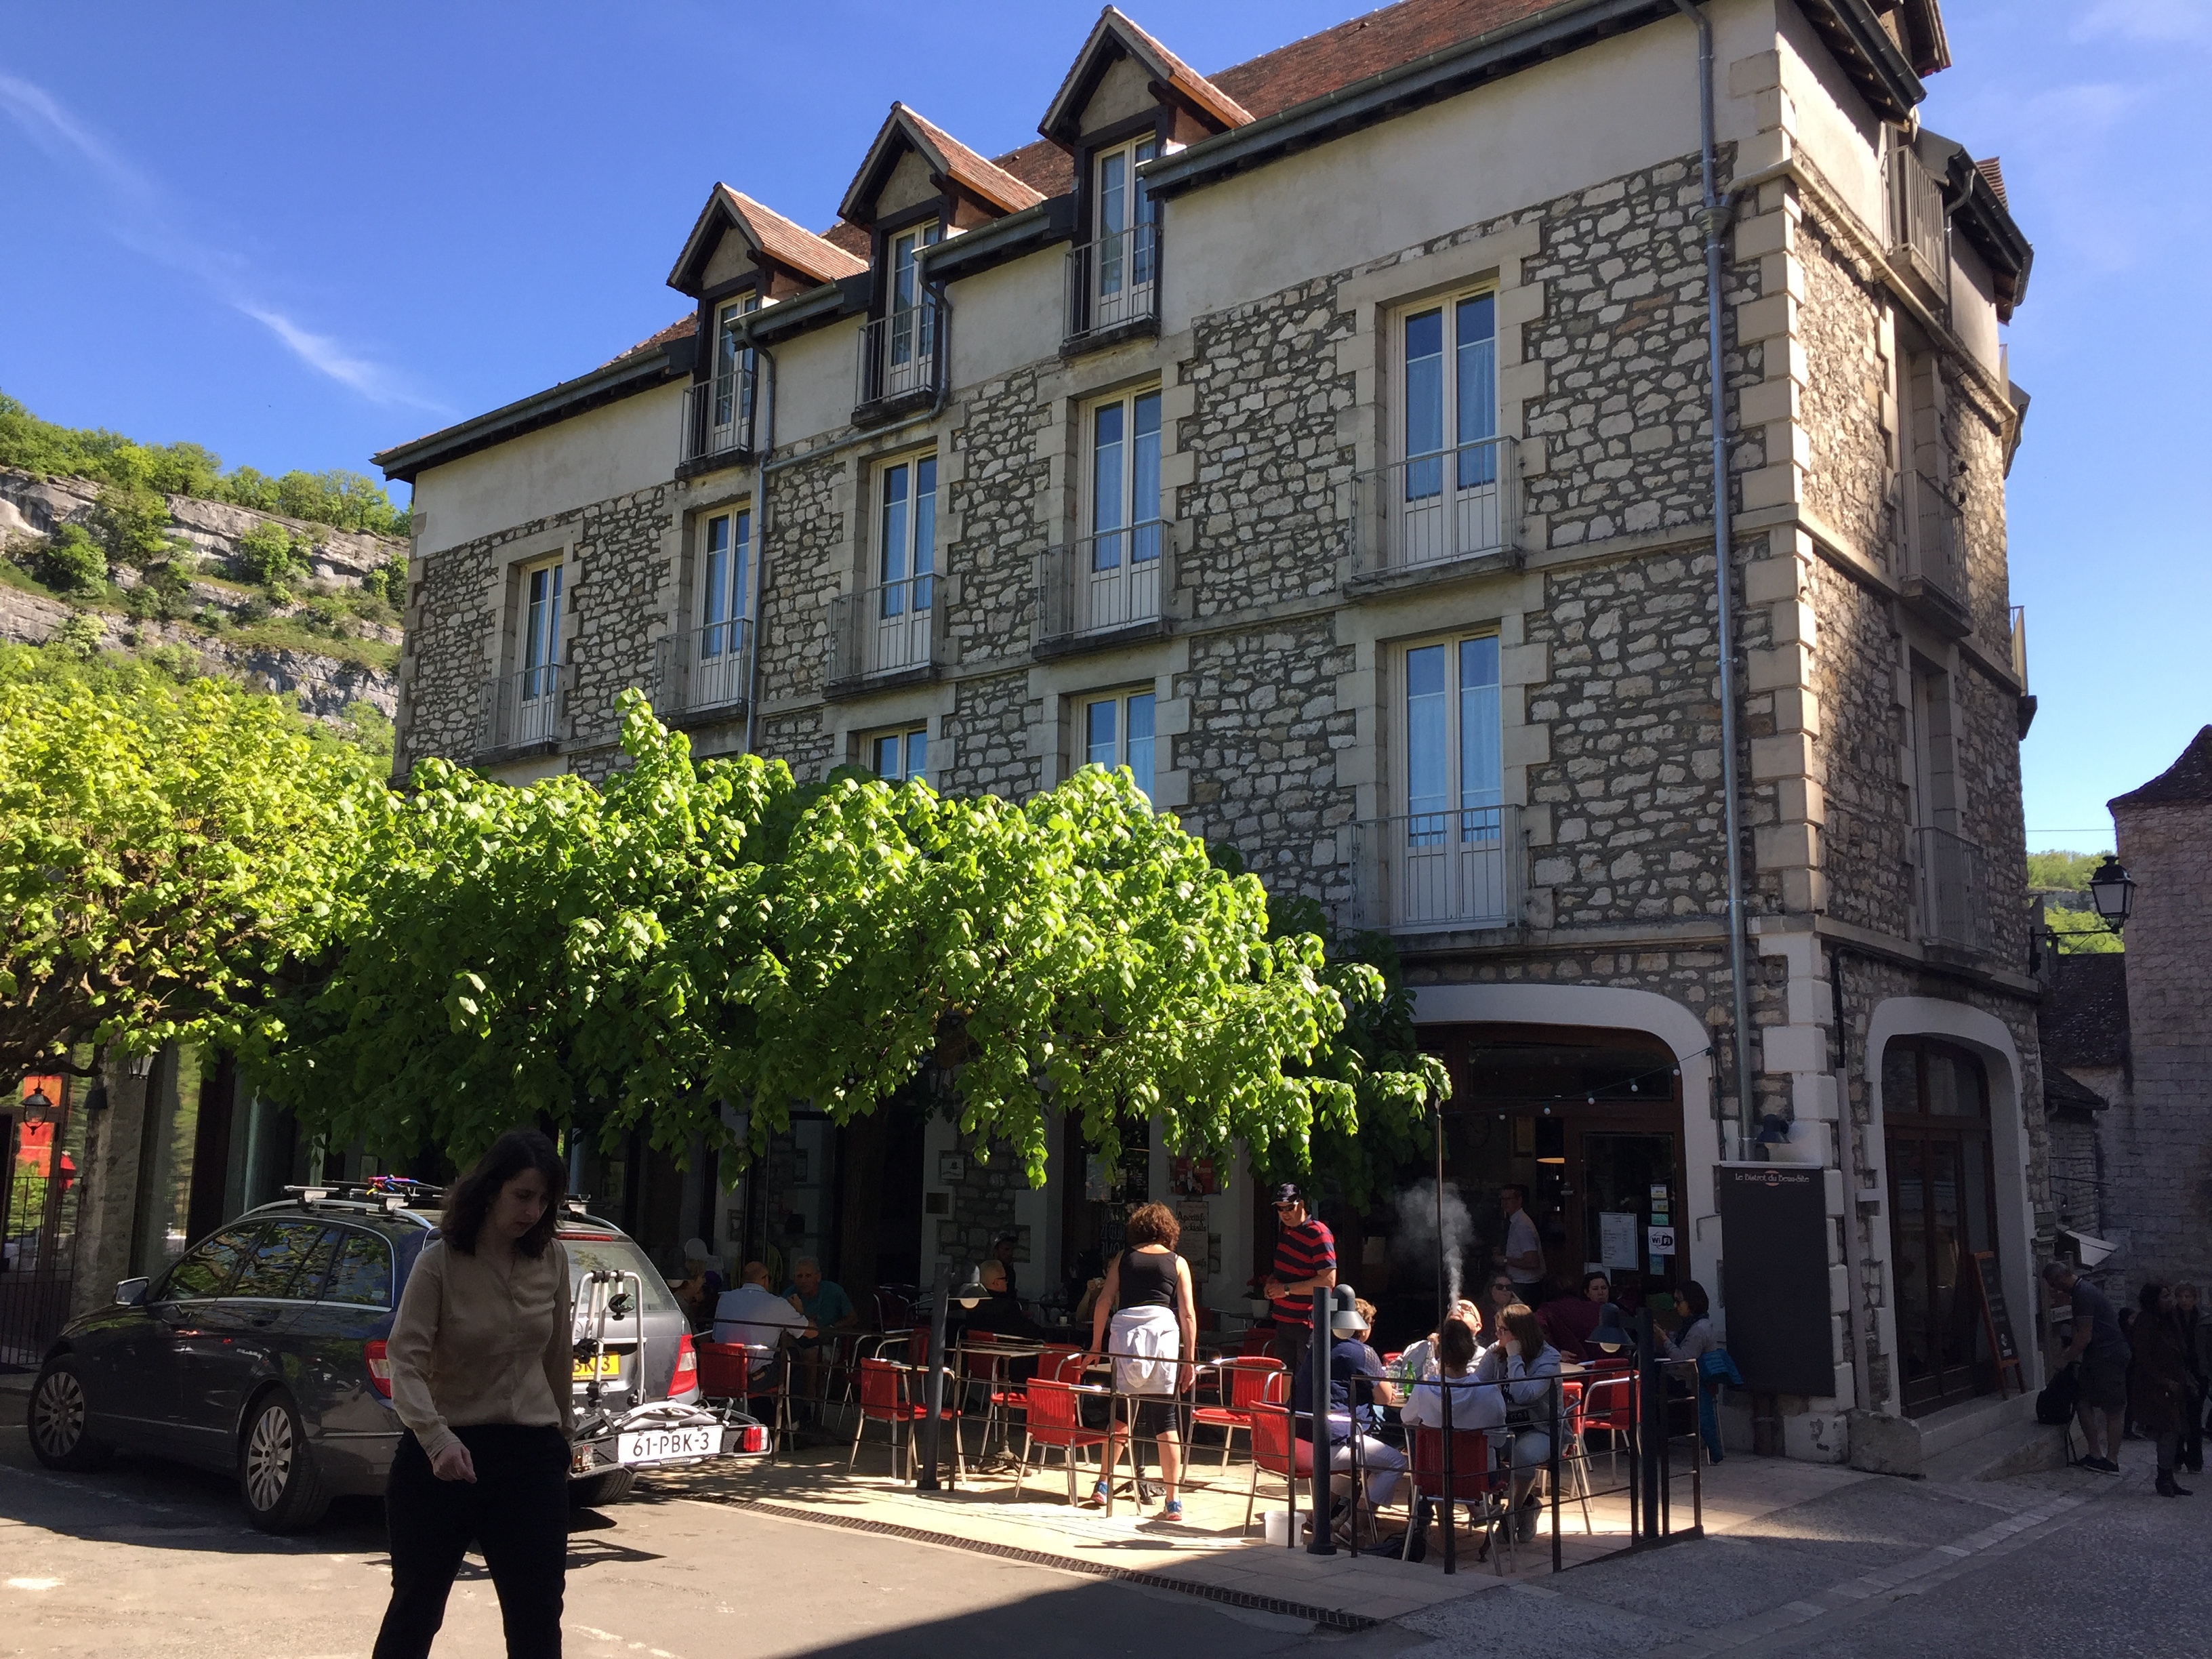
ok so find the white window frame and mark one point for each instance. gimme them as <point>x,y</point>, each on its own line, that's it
<point>1443,492</point>
<point>902,614</point>
<point>540,600</point>
<point>732,366</point>
<point>1456,700</point>
<point>1122,217</point>
<point>1118,748</point>
<point>906,745</point>
<point>721,604</point>
<point>910,320</point>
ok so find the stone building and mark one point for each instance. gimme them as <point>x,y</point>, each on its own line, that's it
<point>1330,440</point>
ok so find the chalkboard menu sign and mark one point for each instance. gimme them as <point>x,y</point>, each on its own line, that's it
<point>1774,1275</point>
<point>1997,1319</point>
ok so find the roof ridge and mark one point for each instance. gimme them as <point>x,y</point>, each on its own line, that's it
<point>2187,782</point>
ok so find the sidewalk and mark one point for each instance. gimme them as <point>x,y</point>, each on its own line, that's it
<point>1208,1554</point>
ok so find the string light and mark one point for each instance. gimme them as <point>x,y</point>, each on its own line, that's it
<point>1634,1085</point>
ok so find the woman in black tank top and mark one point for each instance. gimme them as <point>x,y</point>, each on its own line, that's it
<point>1154,1339</point>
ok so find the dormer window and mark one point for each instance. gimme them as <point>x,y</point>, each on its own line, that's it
<point>730,420</point>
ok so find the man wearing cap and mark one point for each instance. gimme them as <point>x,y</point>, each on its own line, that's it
<point>1306,1261</point>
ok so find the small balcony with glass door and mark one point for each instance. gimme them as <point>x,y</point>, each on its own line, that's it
<point>707,669</point>
<point>902,362</point>
<point>524,706</point>
<point>1114,275</point>
<point>719,411</point>
<point>1452,860</point>
<point>1449,505</point>
<point>892,630</point>
<point>1105,586</point>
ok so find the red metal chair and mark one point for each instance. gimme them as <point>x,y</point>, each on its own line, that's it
<point>1258,1339</point>
<point>1473,1481</point>
<point>883,1399</point>
<point>1247,1382</point>
<point>726,1372</point>
<point>1274,1448</point>
<point>1053,1416</point>
<point>1610,1404</point>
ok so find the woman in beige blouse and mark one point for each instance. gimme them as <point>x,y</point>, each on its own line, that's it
<point>481,1377</point>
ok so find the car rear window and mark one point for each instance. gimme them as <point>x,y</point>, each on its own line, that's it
<point>209,1266</point>
<point>362,1273</point>
<point>599,1254</point>
<point>276,1268</point>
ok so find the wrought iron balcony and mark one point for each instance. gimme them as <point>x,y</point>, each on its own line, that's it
<point>896,629</point>
<point>1460,869</point>
<point>902,356</point>
<point>1952,892</point>
<point>1935,564</point>
<point>718,418</point>
<point>1099,585</point>
<point>524,708</point>
<point>1918,225</point>
<point>1434,509</point>
<point>1114,283</point>
<point>709,668</point>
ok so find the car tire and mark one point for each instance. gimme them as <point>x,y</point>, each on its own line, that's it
<point>277,1474</point>
<point>594,1490</point>
<point>57,1417</point>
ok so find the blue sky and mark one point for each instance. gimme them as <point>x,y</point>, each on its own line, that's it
<point>299,233</point>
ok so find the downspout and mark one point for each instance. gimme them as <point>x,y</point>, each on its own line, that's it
<point>1714,214</point>
<point>764,465</point>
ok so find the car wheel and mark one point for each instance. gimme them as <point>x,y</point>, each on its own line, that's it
<point>57,1420</point>
<point>594,1490</point>
<point>277,1474</point>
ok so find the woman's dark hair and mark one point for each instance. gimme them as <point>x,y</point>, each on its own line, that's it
<point>1520,1322</point>
<point>1695,1301</point>
<point>469,1200</point>
<point>1151,1224</point>
<point>1455,1346</point>
<point>2147,1298</point>
<point>1589,1280</point>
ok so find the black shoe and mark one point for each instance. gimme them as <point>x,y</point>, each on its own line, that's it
<point>1415,1548</point>
<point>2099,1466</point>
<point>2166,1488</point>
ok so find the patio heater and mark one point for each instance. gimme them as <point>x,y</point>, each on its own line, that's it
<point>968,1295</point>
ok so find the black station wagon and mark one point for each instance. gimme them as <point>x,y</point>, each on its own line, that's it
<point>261,1352</point>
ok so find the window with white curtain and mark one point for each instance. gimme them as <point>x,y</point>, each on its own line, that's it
<point>1453,739</point>
<point>1117,731</point>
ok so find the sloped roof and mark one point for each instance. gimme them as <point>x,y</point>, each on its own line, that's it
<point>2186,782</point>
<point>946,154</point>
<point>2083,1021</point>
<point>1352,51</point>
<point>1116,33</point>
<point>686,325</point>
<point>776,238</point>
<point>2063,1092</point>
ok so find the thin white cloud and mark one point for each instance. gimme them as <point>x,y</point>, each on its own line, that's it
<point>2163,23</point>
<point>145,219</point>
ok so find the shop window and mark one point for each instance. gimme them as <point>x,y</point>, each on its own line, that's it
<point>1943,1211</point>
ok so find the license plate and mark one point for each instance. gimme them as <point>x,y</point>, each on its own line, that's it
<point>607,1364</point>
<point>658,1445</point>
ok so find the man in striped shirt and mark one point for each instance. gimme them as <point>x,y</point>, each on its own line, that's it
<point>1306,1261</point>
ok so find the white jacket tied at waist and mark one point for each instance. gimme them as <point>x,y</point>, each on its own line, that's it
<point>1145,1342</point>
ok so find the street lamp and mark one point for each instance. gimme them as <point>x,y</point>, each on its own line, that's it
<point>37,1107</point>
<point>2112,891</point>
<point>932,1393</point>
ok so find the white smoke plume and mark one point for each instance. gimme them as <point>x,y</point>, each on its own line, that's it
<point>1416,1238</point>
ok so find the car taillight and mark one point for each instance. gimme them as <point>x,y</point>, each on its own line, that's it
<point>756,1439</point>
<point>687,1365</point>
<point>379,1367</point>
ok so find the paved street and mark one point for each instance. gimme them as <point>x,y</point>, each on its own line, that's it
<point>144,1558</point>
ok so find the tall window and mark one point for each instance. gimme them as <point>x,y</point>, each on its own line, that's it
<point>898,755</point>
<point>541,630</point>
<point>1450,379</point>
<point>724,577</point>
<point>1125,260</point>
<point>913,330</point>
<point>1117,731</point>
<point>909,556</point>
<point>1452,752</point>
<point>1942,1213</point>
<point>1124,482</point>
<point>733,363</point>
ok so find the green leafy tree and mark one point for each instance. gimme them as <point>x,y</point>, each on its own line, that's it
<point>696,933</point>
<point>164,849</point>
<point>78,637</point>
<point>132,523</point>
<point>271,556</point>
<point>71,561</point>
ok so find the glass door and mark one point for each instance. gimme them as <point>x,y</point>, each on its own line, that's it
<point>1628,1184</point>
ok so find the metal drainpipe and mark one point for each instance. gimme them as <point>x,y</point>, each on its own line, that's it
<point>1714,216</point>
<point>766,466</point>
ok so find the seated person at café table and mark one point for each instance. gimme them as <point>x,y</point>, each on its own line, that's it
<point>756,1316</point>
<point>1355,1381</point>
<point>827,1308</point>
<point>1000,1313</point>
<point>1568,1319</point>
<point>1527,1368</point>
<point>701,1286</point>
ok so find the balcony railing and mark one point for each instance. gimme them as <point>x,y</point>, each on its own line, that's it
<point>1953,894</point>
<point>525,707</point>
<point>1934,542</point>
<point>902,356</point>
<point>1916,221</point>
<point>890,630</point>
<point>1458,503</point>
<point>710,668</point>
<point>1101,583</point>
<point>1462,868</point>
<point>718,416</point>
<point>1113,282</point>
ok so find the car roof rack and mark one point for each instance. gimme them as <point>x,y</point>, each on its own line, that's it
<point>377,1193</point>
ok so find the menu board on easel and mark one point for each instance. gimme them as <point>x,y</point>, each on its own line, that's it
<point>1996,1320</point>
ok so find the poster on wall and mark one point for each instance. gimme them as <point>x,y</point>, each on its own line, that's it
<point>1617,1239</point>
<point>1097,1180</point>
<point>1192,1177</point>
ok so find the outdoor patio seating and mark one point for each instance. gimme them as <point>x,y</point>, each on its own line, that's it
<point>1274,1448</point>
<point>1243,1381</point>
<point>1053,1418</point>
<point>1473,1482</point>
<point>726,1372</point>
<point>885,1399</point>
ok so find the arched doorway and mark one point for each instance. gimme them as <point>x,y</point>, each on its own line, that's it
<point>1943,1211</point>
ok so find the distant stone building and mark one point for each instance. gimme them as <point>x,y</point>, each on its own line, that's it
<point>1329,442</point>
